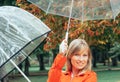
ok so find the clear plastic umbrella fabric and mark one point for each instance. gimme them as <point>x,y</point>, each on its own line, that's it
<point>20,34</point>
<point>81,9</point>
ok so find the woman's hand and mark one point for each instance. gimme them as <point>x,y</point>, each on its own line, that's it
<point>63,47</point>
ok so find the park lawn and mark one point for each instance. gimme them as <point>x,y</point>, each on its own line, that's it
<point>109,76</point>
<point>103,76</point>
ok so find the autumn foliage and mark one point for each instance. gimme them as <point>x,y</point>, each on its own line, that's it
<point>92,31</point>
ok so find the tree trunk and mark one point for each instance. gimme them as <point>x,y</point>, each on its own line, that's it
<point>114,61</point>
<point>20,66</point>
<point>104,58</point>
<point>41,61</point>
<point>27,65</point>
<point>93,49</point>
<point>55,52</point>
<point>109,63</point>
<point>119,58</point>
<point>94,60</point>
<point>5,79</point>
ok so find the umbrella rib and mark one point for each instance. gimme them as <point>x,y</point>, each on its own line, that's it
<point>70,16</point>
<point>15,66</point>
<point>82,11</point>
<point>49,6</point>
<point>67,32</point>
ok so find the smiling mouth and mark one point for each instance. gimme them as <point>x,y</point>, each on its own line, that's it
<point>80,64</point>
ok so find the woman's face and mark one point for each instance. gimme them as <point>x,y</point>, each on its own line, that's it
<point>79,59</point>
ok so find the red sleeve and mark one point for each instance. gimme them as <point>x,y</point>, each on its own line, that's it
<point>56,69</point>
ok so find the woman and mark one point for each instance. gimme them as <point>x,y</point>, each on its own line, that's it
<point>78,63</point>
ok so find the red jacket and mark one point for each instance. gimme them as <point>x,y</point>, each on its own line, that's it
<point>56,75</point>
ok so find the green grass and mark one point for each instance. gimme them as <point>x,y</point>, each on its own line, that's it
<point>109,76</point>
<point>32,78</point>
<point>103,76</point>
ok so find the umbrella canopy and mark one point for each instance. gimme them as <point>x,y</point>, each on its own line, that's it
<point>20,34</point>
<point>80,9</point>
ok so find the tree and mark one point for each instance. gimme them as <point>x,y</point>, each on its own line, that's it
<point>40,53</point>
<point>115,52</point>
<point>7,2</point>
<point>95,32</point>
<point>27,65</point>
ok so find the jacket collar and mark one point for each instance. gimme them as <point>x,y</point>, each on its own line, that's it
<point>80,74</point>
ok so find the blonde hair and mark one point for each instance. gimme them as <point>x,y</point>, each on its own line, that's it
<point>77,45</point>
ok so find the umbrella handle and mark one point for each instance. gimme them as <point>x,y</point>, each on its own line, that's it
<point>66,36</point>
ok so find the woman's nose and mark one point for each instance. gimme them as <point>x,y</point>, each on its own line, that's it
<point>80,58</point>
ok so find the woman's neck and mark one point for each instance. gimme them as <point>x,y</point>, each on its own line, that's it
<point>75,72</point>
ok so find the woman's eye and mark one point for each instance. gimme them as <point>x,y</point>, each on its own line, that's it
<point>76,54</point>
<point>85,55</point>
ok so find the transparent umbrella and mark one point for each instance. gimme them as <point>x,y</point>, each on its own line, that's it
<point>20,34</point>
<point>80,9</point>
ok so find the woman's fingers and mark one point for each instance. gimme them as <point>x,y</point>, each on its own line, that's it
<point>63,46</point>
